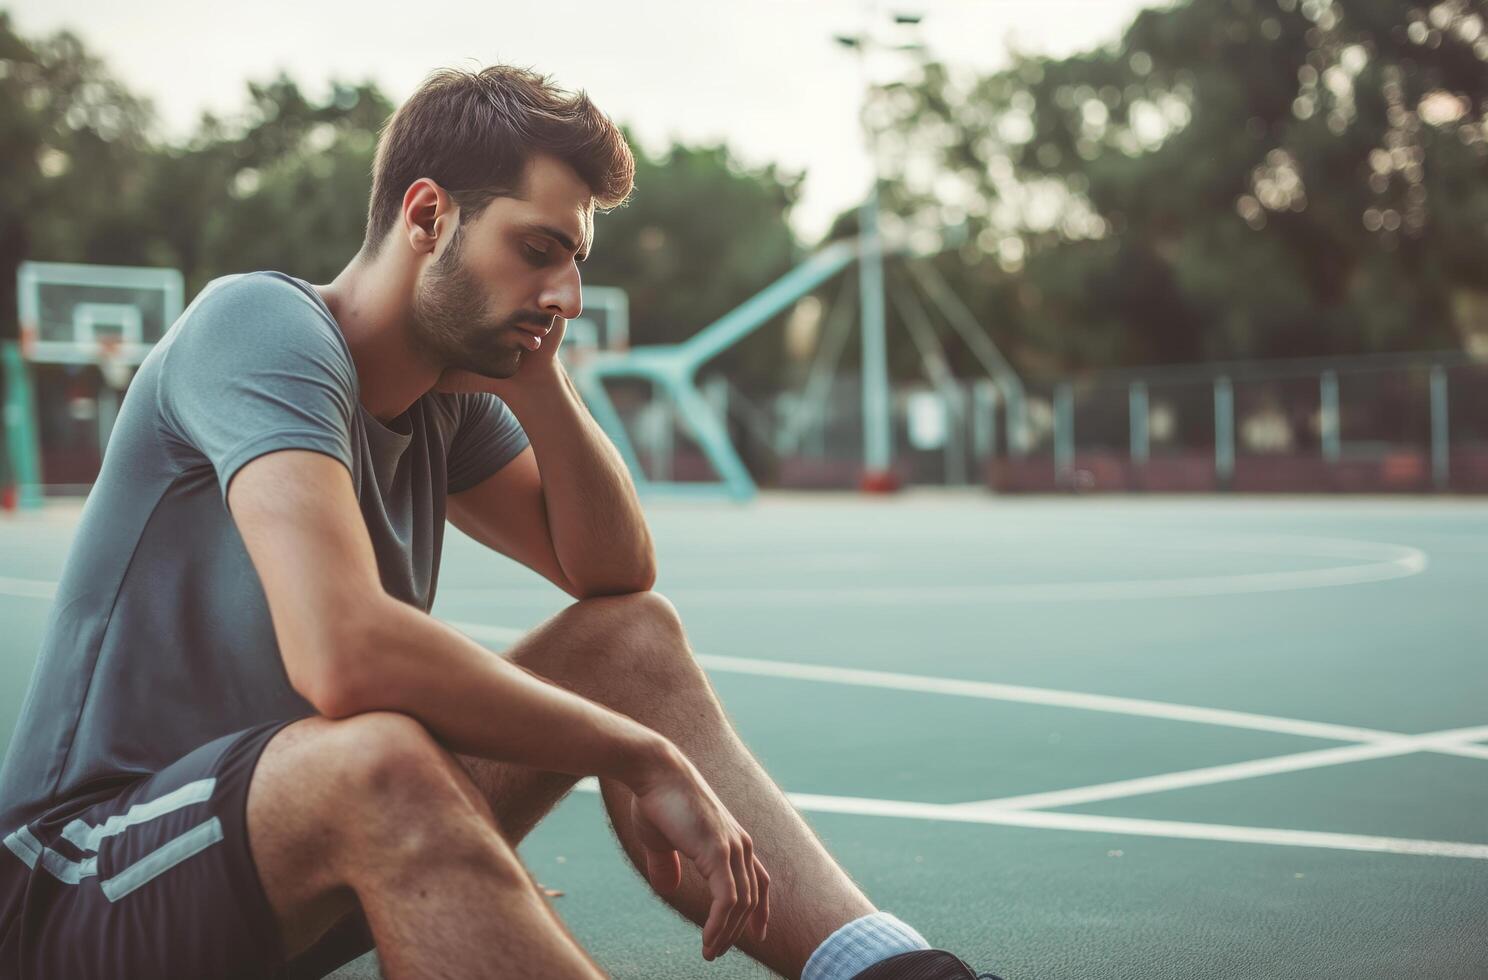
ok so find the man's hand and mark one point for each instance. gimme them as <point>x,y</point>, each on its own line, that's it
<point>676,810</point>
<point>536,367</point>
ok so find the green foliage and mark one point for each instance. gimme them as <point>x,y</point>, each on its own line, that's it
<point>284,186</point>
<point>700,235</point>
<point>1232,178</point>
<point>296,184</point>
<point>71,143</point>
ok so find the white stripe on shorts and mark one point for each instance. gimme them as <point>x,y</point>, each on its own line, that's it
<point>24,845</point>
<point>87,838</point>
<point>162,859</point>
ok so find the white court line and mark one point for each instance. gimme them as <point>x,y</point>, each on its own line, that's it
<point>1121,590</point>
<point>1232,772</point>
<point>26,588</point>
<point>1471,751</point>
<point>688,566</point>
<point>1379,562</point>
<point>496,634</point>
<point>1138,707</point>
<point>1088,823</point>
<point>1382,562</point>
<point>1369,743</point>
<point>976,689</point>
<point>1093,824</point>
<point>991,691</point>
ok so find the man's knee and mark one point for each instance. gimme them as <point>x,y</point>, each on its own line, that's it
<point>391,767</point>
<point>643,636</point>
<point>642,620</point>
<point>379,783</point>
<point>368,801</point>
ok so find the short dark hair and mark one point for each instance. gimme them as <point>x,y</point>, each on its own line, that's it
<point>473,133</point>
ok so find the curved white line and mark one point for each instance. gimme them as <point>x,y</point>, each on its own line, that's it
<point>26,588</point>
<point>1231,772</point>
<point>1379,562</point>
<point>1375,562</point>
<point>1094,824</point>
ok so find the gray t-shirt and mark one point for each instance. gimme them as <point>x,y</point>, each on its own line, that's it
<point>160,639</point>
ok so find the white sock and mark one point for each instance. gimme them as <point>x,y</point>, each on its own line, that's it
<point>860,944</point>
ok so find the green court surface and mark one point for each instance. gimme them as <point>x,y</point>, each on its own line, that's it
<point>1067,738</point>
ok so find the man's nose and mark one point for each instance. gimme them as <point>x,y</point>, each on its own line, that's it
<point>565,294</point>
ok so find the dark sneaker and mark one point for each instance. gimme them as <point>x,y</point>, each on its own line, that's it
<point>922,964</point>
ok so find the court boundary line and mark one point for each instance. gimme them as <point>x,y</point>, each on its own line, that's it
<point>1382,561</point>
<point>1021,811</point>
<point>1233,772</point>
<point>27,588</point>
<point>1053,697</point>
<point>1034,809</point>
<point>1134,826</point>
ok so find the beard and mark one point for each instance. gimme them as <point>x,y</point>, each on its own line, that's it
<point>451,327</point>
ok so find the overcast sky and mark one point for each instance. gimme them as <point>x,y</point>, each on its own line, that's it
<point>762,75</point>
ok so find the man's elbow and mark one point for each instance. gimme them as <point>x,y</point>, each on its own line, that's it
<point>645,579</point>
<point>327,687</point>
<point>337,675</point>
<point>640,579</point>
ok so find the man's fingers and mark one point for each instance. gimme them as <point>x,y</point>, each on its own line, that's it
<point>663,863</point>
<point>761,918</point>
<point>741,893</point>
<point>751,899</point>
<point>664,870</point>
<point>744,891</point>
<point>739,914</point>
<point>721,884</point>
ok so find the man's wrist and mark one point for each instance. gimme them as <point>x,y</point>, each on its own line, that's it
<point>645,758</point>
<point>523,387</point>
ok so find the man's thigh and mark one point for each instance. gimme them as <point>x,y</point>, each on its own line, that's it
<point>153,879</point>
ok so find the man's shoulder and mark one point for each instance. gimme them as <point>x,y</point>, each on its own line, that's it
<point>254,306</point>
<point>267,287</point>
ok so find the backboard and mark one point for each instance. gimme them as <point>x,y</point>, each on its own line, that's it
<point>604,325</point>
<point>67,310</point>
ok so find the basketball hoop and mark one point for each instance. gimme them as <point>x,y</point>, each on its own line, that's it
<point>115,370</point>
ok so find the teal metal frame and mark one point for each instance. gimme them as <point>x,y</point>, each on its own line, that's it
<point>673,368</point>
<point>20,430</point>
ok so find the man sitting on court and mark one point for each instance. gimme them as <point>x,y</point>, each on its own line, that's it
<point>249,751</point>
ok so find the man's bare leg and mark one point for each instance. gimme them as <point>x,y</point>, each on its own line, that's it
<point>630,653</point>
<point>371,809</point>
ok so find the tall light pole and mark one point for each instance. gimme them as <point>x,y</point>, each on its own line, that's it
<point>877,422</point>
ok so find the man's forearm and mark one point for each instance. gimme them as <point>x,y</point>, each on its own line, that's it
<point>598,528</point>
<point>477,703</point>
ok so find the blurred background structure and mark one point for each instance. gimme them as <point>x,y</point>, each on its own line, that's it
<point>1237,246</point>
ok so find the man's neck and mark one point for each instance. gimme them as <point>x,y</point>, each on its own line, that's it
<point>371,301</point>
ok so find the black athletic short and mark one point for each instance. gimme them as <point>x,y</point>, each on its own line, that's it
<point>151,878</point>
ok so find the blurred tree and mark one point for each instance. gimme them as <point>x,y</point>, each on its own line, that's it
<point>284,185</point>
<point>1232,178</point>
<point>72,151</point>
<point>701,234</point>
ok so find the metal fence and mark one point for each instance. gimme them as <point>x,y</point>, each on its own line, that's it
<point>1413,423</point>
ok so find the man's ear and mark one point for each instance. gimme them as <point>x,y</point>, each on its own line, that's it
<point>428,213</point>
